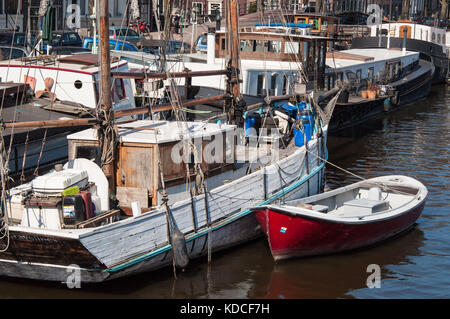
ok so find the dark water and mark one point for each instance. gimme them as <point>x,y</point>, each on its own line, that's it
<point>414,141</point>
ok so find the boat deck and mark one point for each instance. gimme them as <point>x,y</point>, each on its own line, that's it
<point>39,110</point>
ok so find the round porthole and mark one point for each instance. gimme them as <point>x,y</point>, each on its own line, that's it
<point>78,84</point>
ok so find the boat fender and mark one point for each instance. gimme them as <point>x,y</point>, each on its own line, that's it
<point>179,249</point>
<point>387,105</point>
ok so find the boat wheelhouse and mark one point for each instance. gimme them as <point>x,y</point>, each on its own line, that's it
<point>71,78</point>
<point>271,61</point>
<point>429,41</point>
<point>323,25</point>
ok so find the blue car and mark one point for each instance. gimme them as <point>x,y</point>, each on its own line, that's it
<point>113,45</point>
<point>202,43</point>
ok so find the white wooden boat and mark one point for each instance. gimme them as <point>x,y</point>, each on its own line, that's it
<point>44,243</point>
<point>74,78</point>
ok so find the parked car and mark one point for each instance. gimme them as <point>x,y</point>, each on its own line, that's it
<point>9,53</point>
<point>64,38</point>
<point>201,45</point>
<point>17,39</point>
<point>173,47</point>
<point>125,34</point>
<point>113,45</point>
<point>67,50</point>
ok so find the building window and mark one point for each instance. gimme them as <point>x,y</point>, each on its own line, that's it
<point>197,10</point>
<point>271,4</point>
<point>213,7</point>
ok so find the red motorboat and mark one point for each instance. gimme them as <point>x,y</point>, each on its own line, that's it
<point>350,217</point>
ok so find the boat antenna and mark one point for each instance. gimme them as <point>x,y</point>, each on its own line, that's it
<point>106,132</point>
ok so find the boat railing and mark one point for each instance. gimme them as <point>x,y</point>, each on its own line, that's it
<point>101,219</point>
<point>40,60</point>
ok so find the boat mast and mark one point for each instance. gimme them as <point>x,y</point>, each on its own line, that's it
<point>106,132</point>
<point>236,104</point>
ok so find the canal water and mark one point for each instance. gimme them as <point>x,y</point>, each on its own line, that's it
<point>414,141</point>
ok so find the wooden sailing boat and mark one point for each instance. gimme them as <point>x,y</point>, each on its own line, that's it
<point>143,209</point>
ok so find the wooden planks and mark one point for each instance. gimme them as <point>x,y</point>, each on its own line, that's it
<point>128,195</point>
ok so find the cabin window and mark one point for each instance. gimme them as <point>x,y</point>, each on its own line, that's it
<point>273,83</point>
<point>370,73</point>
<point>258,46</point>
<point>260,85</point>
<point>358,75</point>
<point>433,37</point>
<point>247,45</point>
<point>223,45</point>
<point>272,46</point>
<point>285,84</point>
<point>78,84</point>
<point>291,48</point>
<point>439,38</point>
<point>315,24</point>
<point>89,152</point>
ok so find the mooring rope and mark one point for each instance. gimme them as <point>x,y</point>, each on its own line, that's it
<point>359,177</point>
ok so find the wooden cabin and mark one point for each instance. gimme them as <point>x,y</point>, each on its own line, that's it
<point>322,25</point>
<point>144,145</point>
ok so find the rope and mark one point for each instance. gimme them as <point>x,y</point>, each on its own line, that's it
<point>360,177</point>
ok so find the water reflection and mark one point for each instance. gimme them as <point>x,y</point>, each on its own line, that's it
<point>335,276</point>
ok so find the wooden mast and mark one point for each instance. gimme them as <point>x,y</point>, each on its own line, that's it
<point>106,131</point>
<point>236,108</point>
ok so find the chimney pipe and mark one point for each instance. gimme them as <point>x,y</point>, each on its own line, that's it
<point>211,54</point>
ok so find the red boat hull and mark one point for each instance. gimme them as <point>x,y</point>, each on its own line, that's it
<point>295,236</point>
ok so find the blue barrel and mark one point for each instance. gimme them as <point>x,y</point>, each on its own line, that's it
<point>307,114</point>
<point>299,134</point>
<point>302,106</point>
